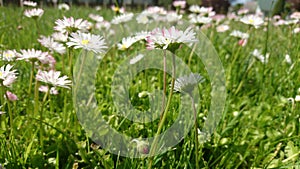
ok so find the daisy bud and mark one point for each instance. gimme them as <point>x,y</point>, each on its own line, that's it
<point>141,146</point>
<point>11,96</point>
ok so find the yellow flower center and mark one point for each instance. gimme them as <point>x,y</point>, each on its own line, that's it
<point>116,9</point>
<point>8,55</point>
<point>251,20</point>
<point>123,47</point>
<point>84,42</point>
<point>1,74</point>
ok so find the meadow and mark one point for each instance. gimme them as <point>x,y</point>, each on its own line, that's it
<point>49,119</point>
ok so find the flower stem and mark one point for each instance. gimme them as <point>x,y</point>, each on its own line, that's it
<point>164,116</point>
<point>36,98</point>
<point>31,78</point>
<point>165,85</point>
<point>41,120</point>
<point>196,133</point>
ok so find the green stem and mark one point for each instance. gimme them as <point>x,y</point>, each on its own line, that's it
<point>31,78</point>
<point>164,116</point>
<point>41,119</point>
<point>196,133</point>
<point>36,98</point>
<point>191,55</point>
<point>165,84</point>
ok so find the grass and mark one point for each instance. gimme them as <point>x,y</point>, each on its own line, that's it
<point>259,127</point>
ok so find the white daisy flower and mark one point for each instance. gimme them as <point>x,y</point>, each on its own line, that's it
<point>31,55</point>
<point>96,17</point>
<point>162,38</point>
<point>253,20</point>
<point>156,10</point>
<point>187,83</point>
<point>239,34</point>
<point>142,35</point>
<point>64,7</point>
<point>60,37</point>
<point>222,28</point>
<point>260,56</point>
<point>87,41</point>
<point>69,25</point>
<point>295,15</point>
<point>180,4</point>
<point>103,25</point>
<point>296,30</point>
<point>53,46</point>
<point>201,20</point>
<point>288,59</point>
<point>52,78</point>
<point>45,89</point>
<point>122,18</point>
<point>34,13</point>
<point>29,3</point>
<point>173,17</point>
<point>146,17</point>
<point>200,10</point>
<point>136,59</point>
<point>7,76</point>
<point>8,55</point>
<point>126,43</point>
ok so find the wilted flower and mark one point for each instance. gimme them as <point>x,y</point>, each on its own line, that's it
<point>69,25</point>
<point>34,13</point>
<point>187,83</point>
<point>163,38</point>
<point>136,59</point>
<point>87,41</point>
<point>8,55</point>
<point>122,18</point>
<point>7,76</point>
<point>222,28</point>
<point>64,7</point>
<point>53,46</point>
<point>126,43</point>
<point>29,3</point>
<point>253,20</point>
<point>141,146</point>
<point>52,77</point>
<point>11,96</point>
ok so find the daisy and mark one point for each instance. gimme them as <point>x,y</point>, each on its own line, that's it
<point>96,18</point>
<point>34,13</point>
<point>60,37</point>
<point>200,10</point>
<point>87,41</point>
<point>201,20</point>
<point>31,55</point>
<point>239,34</point>
<point>126,43</point>
<point>7,76</point>
<point>8,55</point>
<point>69,25</point>
<point>173,17</point>
<point>11,96</point>
<point>156,10</point>
<point>260,56</point>
<point>136,59</point>
<point>117,9</point>
<point>64,7</point>
<point>187,83</point>
<point>296,30</point>
<point>222,28</point>
<point>180,4</point>
<point>142,35</point>
<point>53,46</point>
<point>295,15</point>
<point>52,77</point>
<point>45,89</point>
<point>162,38</point>
<point>253,20</point>
<point>122,18</point>
<point>30,3</point>
<point>288,59</point>
<point>146,17</point>
<point>102,25</point>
